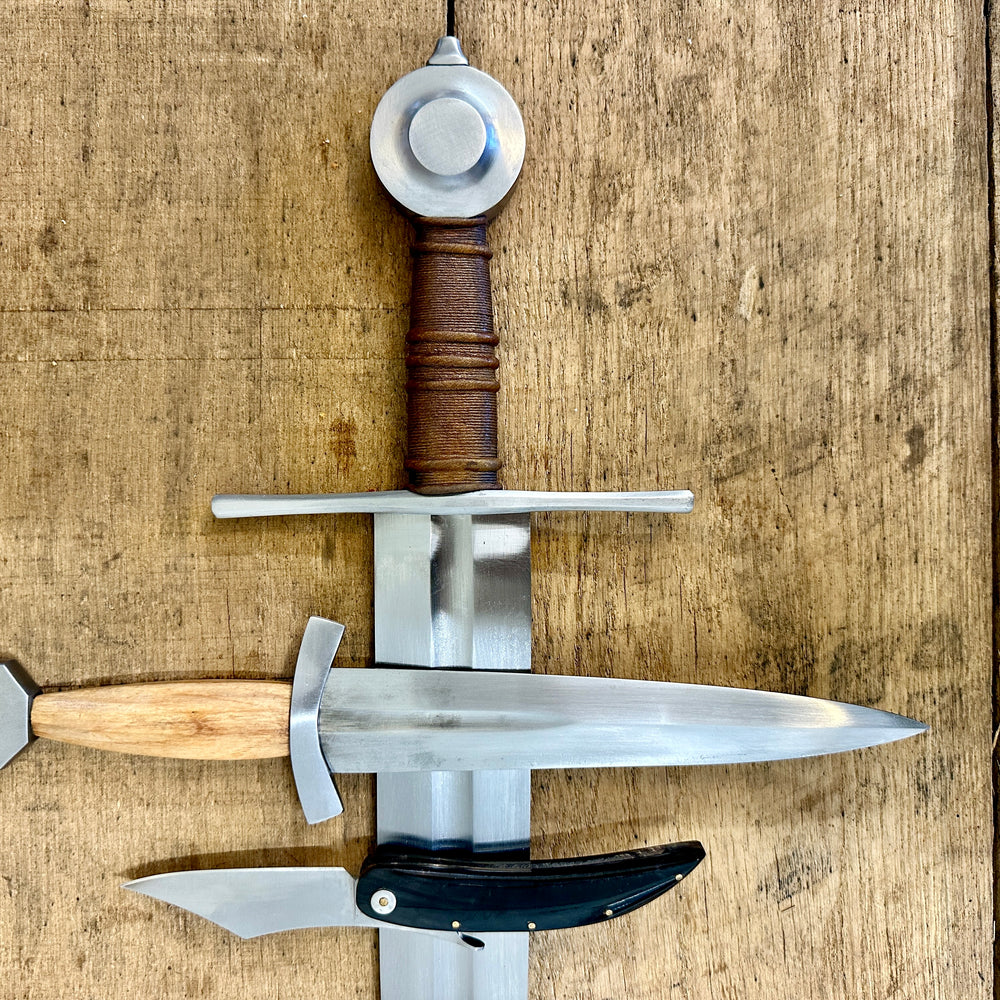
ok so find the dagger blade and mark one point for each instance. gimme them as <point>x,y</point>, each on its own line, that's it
<point>410,719</point>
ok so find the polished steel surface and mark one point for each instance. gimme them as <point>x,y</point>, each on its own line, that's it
<point>447,136</point>
<point>432,720</point>
<point>447,141</point>
<point>255,901</point>
<point>479,502</point>
<point>17,691</point>
<point>317,792</point>
<point>453,591</point>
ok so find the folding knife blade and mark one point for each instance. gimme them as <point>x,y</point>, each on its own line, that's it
<point>255,901</point>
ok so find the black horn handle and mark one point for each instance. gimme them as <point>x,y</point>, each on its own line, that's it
<point>469,894</point>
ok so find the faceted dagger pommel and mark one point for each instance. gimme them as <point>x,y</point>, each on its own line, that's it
<point>17,691</point>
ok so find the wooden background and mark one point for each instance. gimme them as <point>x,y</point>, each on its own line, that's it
<point>749,255</point>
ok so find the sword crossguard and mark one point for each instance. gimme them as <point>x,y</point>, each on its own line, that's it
<point>228,505</point>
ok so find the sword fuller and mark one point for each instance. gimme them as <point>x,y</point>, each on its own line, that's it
<point>453,591</point>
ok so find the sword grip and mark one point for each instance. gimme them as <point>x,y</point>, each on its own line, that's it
<point>451,361</point>
<point>200,720</point>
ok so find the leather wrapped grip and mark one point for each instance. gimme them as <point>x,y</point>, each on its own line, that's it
<point>451,361</point>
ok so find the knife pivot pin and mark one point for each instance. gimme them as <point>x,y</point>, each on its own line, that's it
<point>383,901</point>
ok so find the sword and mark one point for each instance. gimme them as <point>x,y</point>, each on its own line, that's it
<point>452,582</point>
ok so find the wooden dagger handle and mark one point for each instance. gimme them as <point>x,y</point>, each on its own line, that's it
<point>451,361</point>
<point>203,720</point>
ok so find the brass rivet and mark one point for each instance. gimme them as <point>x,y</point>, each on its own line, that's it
<point>455,925</point>
<point>609,913</point>
<point>531,925</point>
<point>383,901</point>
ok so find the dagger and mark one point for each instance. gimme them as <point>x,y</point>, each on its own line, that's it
<point>369,720</point>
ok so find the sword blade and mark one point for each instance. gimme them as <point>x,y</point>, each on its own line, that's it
<point>387,719</point>
<point>453,591</point>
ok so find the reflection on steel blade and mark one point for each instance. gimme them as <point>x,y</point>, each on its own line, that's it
<point>254,901</point>
<point>390,719</point>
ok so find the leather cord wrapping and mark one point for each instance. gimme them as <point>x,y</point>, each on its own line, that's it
<point>451,361</point>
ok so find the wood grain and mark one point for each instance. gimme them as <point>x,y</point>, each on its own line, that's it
<point>196,720</point>
<point>748,255</point>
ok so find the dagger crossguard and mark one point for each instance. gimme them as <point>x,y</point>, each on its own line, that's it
<point>317,792</point>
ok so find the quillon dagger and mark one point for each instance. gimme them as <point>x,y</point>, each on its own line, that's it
<point>352,720</point>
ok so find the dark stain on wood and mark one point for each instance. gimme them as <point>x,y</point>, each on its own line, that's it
<point>48,241</point>
<point>789,666</point>
<point>799,869</point>
<point>857,674</point>
<point>940,644</point>
<point>916,440</point>
<point>342,444</point>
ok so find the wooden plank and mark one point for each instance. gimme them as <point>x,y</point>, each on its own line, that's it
<point>747,255</point>
<point>194,300</point>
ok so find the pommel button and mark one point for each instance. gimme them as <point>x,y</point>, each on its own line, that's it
<point>447,136</point>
